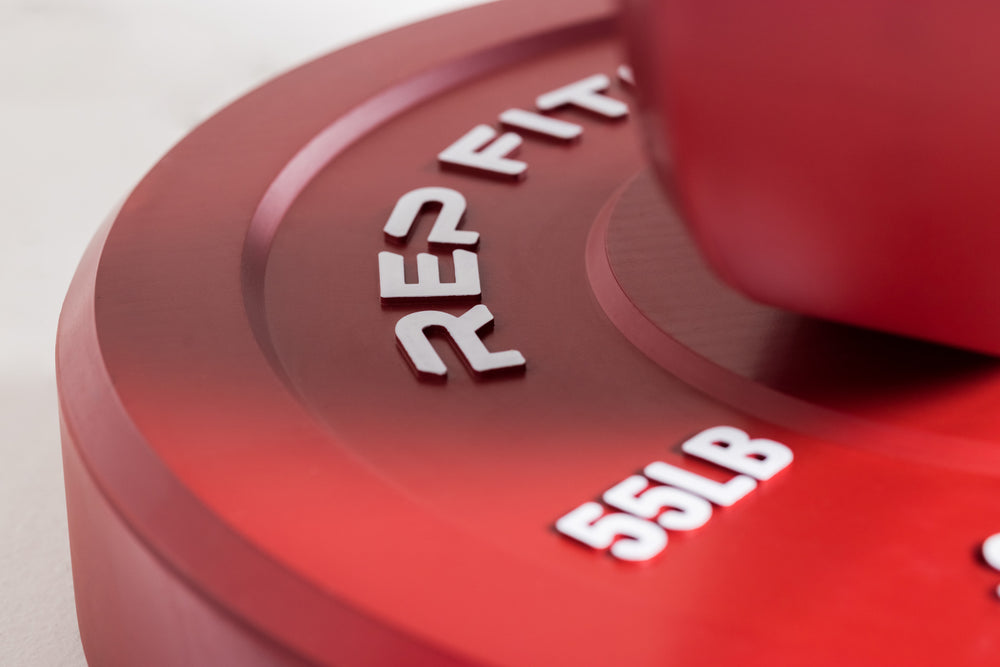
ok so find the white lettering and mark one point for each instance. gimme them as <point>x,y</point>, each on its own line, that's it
<point>635,496</point>
<point>445,231</point>
<point>474,151</point>
<point>626,74</point>
<point>394,288</point>
<point>682,500</point>
<point>630,538</point>
<point>539,124</point>
<point>410,333</point>
<point>724,495</point>
<point>733,449</point>
<point>991,553</point>
<point>585,94</point>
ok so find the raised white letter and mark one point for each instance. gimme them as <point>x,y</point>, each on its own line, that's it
<point>634,495</point>
<point>472,152</point>
<point>732,448</point>
<point>721,494</point>
<point>394,288</point>
<point>463,331</point>
<point>629,537</point>
<point>539,124</point>
<point>445,231</point>
<point>586,95</point>
<point>626,74</point>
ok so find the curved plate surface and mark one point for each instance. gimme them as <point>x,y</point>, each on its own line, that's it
<point>241,408</point>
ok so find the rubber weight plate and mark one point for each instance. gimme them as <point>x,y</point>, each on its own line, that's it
<point>404,359</point>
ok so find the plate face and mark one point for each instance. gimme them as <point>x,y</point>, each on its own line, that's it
<point>290,440</point>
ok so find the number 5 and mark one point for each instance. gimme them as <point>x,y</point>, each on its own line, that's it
<point>641,539</point>
<point>684,510</point>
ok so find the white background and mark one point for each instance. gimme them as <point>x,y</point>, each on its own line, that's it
<point>92,92</point>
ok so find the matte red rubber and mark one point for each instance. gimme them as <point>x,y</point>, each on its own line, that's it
<point>256,475</point>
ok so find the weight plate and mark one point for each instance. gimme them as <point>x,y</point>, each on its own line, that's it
<point>293,437</point>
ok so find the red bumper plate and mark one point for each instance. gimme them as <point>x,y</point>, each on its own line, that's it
<point>403,359</point>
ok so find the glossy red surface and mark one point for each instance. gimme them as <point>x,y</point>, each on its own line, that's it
<point>256,476</point>
<point>835,160</point>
